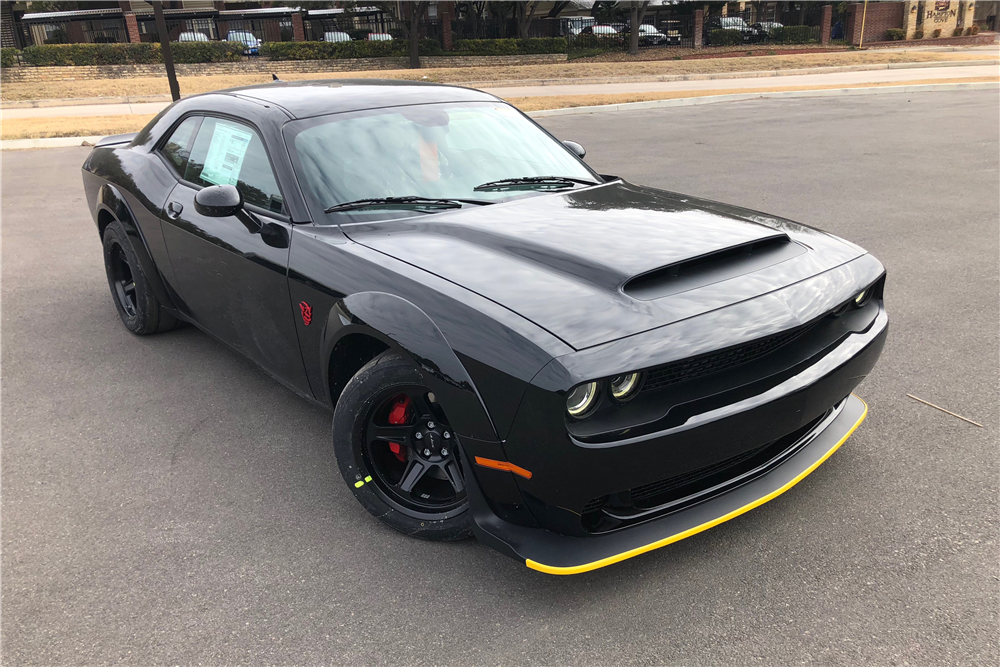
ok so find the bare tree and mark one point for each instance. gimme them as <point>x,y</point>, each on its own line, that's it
<point>637,10</point>
<point>525,12</point>
<point>417,10</point>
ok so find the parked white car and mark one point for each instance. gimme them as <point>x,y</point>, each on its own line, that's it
<point>336,36</point>
<point>248,39</point>
<point>379,37</point>
<point>192,37</point>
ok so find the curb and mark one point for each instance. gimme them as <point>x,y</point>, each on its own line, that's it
<point>60,142</point>
<point>52,142</point>
<point>709,76</point>
<point>735,97</point>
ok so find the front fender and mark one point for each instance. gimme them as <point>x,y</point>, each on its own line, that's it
<point>409,330</point>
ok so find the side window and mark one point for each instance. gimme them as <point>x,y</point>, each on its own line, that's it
<point>230,153</point>
<point>178,146</point>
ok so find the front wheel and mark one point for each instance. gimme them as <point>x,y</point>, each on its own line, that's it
<point>398,454</point>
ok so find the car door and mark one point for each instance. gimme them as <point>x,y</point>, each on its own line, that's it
<point>231,272</point>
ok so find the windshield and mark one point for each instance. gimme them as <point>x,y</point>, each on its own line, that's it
<point>440,151</point>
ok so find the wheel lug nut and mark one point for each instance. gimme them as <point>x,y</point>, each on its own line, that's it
<point>430,425</point>
<point>427,452</point>
<point>418,435</point>
<point>446,435</point>
<point>444,452</point>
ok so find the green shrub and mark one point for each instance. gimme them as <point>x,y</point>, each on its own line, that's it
<point>131,54</point>
<point>919,34</point>
<point>8,57</point>
<point>510,47</point>
<point>725,38</point>
<point>353,49</point>
<point>975,30</point>
<point>91,54</point>
<point>895,34</point>
<point>936,33</point>
<point>207,52</point>
<point>793,34</point>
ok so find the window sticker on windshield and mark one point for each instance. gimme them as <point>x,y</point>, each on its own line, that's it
<point>225,154</point>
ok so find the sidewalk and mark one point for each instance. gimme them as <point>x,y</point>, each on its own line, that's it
<point>831,76</point>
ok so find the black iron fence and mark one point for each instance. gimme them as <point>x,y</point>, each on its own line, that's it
<point>97,31</point>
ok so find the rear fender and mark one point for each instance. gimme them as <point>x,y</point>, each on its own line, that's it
<point>111,201</point>
<point>408,330</point>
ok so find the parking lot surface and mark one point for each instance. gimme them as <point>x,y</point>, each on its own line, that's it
<point>163,501</point>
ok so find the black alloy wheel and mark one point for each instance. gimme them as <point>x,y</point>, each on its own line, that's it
<point>398,453</point>
<point>121,279</point>
<point>411,450</point>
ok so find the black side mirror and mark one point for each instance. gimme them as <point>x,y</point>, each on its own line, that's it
<point>218,201</point>
<point>580,151</point>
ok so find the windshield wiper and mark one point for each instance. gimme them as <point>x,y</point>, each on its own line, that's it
<point>529,182</point>
<point>413,203</point>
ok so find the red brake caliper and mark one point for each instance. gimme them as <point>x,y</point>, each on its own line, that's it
<point>398,415</point>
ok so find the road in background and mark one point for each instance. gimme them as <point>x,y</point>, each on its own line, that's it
<point>166,502</point>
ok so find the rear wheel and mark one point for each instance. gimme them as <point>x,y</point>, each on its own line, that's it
<point>138,309</point>
<point>398,454</point>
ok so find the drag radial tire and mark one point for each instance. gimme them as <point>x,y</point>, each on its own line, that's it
<point>138,308</point>
<point>398,454</point>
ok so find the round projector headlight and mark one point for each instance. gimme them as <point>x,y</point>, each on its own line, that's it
<point>624,387</point>
<point>581,399</point>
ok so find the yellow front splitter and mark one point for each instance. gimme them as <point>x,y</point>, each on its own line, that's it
<point>814,454</point>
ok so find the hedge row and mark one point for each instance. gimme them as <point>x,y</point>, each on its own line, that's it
<point>792,34</point>
<point>8,57</point>
<point>726,37</point>
<point>510,47</point>
<point>130,54</point>
<point>353,49</point>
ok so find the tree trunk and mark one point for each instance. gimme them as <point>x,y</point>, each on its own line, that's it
<point>416,11</point>
<point>524,17</point>
<point>636,14</point>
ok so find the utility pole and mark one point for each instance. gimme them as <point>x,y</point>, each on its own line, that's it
<point>168,57</point>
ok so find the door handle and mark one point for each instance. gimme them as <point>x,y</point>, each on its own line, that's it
<point>174,209</point>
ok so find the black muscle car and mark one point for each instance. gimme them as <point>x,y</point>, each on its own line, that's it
<point>574,368</point>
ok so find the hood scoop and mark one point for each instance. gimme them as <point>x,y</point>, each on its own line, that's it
<point>712,268</point>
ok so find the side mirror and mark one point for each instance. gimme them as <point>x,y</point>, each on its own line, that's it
<point>580,151</point>
<point>218,201</point>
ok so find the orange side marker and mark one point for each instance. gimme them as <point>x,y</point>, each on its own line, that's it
<point>503,465</point>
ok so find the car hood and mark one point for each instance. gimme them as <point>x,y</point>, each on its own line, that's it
<point>600,263</point>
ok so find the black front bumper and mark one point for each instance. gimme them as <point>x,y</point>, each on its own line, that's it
<point>553,553</point>
<point>813,410</point>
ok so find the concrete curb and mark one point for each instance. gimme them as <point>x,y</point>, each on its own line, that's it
<point>142,99</point>
<point>53,142</point>
<point>60,142</point>
<point>735,97</point>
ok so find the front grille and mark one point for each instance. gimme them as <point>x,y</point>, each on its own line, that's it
<point>674,493</point>
<point>713,362</point>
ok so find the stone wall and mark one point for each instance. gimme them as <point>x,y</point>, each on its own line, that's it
<point>26,74</point>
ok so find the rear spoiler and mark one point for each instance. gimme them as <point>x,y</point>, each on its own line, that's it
<point>116,139</point>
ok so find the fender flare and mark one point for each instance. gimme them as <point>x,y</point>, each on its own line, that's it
<point>408,330</point>
<point>110,200</point>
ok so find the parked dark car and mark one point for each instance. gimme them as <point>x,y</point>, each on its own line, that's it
<point>737,23</point>
<point>573,367</point>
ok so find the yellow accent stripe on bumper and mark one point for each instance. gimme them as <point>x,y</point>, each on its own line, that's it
<point>610,560</point>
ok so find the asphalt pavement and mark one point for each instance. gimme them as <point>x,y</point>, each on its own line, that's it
<point>165,502</point>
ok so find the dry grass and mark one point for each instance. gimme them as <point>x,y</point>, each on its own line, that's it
<point>70,126</point>
<point>569,70</point>
<point>80,126</point>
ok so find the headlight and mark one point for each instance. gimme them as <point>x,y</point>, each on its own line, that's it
<point>581,399</point>
<point>862,298</point>
<point>624,387</point>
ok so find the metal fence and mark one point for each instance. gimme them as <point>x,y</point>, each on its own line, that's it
<point>97,31</point>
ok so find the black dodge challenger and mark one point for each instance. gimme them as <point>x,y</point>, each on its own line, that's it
<point>574,368</point>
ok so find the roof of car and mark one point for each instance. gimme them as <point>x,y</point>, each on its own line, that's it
<point>303,99</point>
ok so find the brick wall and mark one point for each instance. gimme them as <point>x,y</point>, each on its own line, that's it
<point>24,74</point>
<point>880,17</point>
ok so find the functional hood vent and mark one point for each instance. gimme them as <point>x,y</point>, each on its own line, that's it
<point>712,268</point>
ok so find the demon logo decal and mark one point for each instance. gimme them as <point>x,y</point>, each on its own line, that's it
<point>307,312</point>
